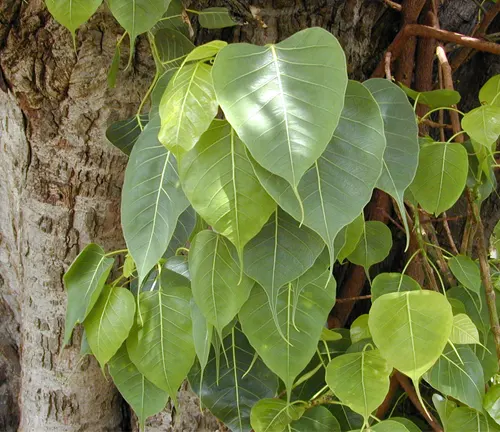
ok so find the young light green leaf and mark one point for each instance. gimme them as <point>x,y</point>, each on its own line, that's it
<point>330,335</point>
<point>206,51</point>
<point>386,283</point>
<point>348,238</point>
<point>464,331</point>
<point>84,282</point>
<point>300,321</point>
<point>374,246</point>
<point>389,426</point>
<point>124,133</point>
<point>152,200</point>
<point>473,306</point>
<point>458,374</point>
<point>230,389</point>
<point>219,288</point>
<point>284,100</point>
<point>137,16</point>
<point>483,124</point>
<point>202,335</point>
<point>72,13</point>
<point>490,92</point>
<point>466,271</point>
<point>492,402</point>
<point>359,380</point>
<point>114,68</point>
<point>441,176</point>
<point>316,419</point>
<point>274,415</point>
<point>280,253</point>
<point>408,424</point>
<point>215,18</point>
<point>142,395</point>
<point>434,98</point>
<point>467,419</point>
<point>163,348</point>
<point>172,47</point>
<point>219,180</point>
<point>359,329</point>
<point>401,133</point>
<point>187,107</point>
<point>411,329</point>
<point>109,322</point>
<point>338,186</point>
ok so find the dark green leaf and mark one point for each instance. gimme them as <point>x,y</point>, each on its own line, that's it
<point>172,47</point>
<point>183,230</point>
<point>492,402</point>
<point>124,133</point>
<point>274,415</point>
<point>114,68</point>
<point>316,419</point>
<point>215,18</point>
<point>466,271</point>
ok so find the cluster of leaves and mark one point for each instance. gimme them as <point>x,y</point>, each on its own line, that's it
<point>233,225</point>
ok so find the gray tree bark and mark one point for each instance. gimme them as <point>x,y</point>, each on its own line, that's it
<point>60,185</point>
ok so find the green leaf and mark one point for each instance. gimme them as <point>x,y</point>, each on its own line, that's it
<point>389,426</point>
<point>215,18</point>
<point>401,133</point>
<point>152,200</point>
<point>274,415</point>
<point>359,329</point>
<point>72,13</point>
<point>142,395</point>
<point>347,418</point>
<point>187,107</point>
<point>179,264</point>
<point>487,356</point>
<point>374,246</point>
<point>483,124</point>
<point>219,180</point>
<point>386,283</point>
<point>185,226</point>
<point>412,427</point>
<point>359,380</point>
<point>492,402</point>
<point>349,237</point>
<point>302,310</point>
<point>441,176</point>
<point>466,271</point>
<point>466,419</point>
<point>434,98</point>
<point>202,335</point>
<point>490,92</point>
<point>84,346</point>
<point>338,186</point>
<point>231,389</point>
<point>174,19</point>
<point>330,335</point>
<point>473,306</point>
<point>172,47</point>
<point>137,16</point>
<point>280,253</point>
<point>316,419</point>
<point>218,289</point>
<point>124,133</point>
<point>464,331</point>
<point>114,68</point>
<point>411,329</point>
<point>109,322</point>
<point>284,100</point>
<point>458,374</point>
<point>84,282</point>
<point>444,407</point>
<point>163,348</point>
<point>158,90</point>
<point>206,51</point>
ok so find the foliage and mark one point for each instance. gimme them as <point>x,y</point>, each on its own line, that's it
<point>247,180</point>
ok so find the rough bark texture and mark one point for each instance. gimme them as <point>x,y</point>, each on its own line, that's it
<point>60,184</point>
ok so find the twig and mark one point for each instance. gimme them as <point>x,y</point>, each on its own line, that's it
<point>410,391</point>
<point>388,56</point>
<point>447,230</point>
<point>353,299</point>
<point>436,124</point>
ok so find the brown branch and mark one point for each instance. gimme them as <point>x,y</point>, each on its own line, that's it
<point>393,5</point>
<point>353,299</point>
<point>447,230</point>
<point>388,74</point>
<point>410,391</point>
<point>480,30</point>
<point>386,405</point>
<point>410,30</point>
<point>435,124</point>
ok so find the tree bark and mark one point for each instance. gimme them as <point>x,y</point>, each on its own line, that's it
<point>61,183</point>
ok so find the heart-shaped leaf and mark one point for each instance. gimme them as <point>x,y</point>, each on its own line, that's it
<point>274,415</point>
<point>284,100</point>
<point>441,176</point>
<point>339,185</point>
<point>359,329</point>
<point>483,124</point>
<point>220,183</point>
<point>172,47</point>
<point>466,271</point>
<point>386,283</point>
<point>464,331</point>
<point>490,92</point>
<point>84,282</point>
<point>109,322</point>
<point>152,200</point>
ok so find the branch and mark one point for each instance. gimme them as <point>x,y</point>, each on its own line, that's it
<point>393,5</point>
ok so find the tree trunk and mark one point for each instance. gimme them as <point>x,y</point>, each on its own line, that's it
<point>61,183</point>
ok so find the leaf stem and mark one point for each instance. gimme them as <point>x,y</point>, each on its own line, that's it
<point>427,114</point>
<point>116,252</point>
<point>193,11</point>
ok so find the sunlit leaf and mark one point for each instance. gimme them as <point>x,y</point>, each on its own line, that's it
<point>467,419</point>
<point>490,92</point>
<point>466,271</point>
<point>492,402</point>
<point>483,124</point>
<point>459,374</point>
<point>143,396</point>
<point>464,331</point>
<point>434,98</point>
<point>163,348</point>
<point>109,322</point>
<point>359,380</point>
<point>386,283</point>
<point>389,426</point>
<point>172,47</point>
<point>229,390</point>
<point>441,176</point>
<point>84,282</point>
<point>274,415</point>
<point>401,132</point>
<point>220,183</point>
<point>152,200</point>
<point>283,100</point>
<point>348,238</point>
<point>124,133</point>
<point>215,18</point>
<point>474,306</point>
<point>206,51</point>
<point>316,419</point>
<point>359,329</point>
